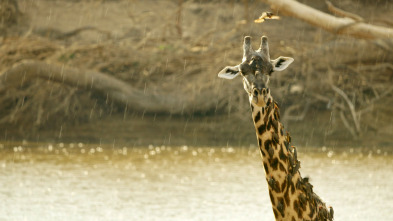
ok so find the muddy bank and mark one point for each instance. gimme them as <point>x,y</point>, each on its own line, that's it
<point>336,93</point>
<point>193,131</point>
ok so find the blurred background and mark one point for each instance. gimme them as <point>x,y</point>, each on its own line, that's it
<point>128,90</point>
<point>167,55</point>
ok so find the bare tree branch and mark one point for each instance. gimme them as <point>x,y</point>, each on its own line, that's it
<point>350,105</point>
<point>344,26</point>
<point>346,124</point>
<point>333,9</point>
<point>107,85</point>
<point>288,117</point>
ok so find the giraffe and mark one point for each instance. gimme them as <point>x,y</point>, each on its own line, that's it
<point>291,196</point>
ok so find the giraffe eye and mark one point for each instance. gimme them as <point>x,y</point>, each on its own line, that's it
<point>245,68</point>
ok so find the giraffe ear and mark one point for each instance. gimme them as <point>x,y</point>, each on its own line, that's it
<point>229,72</point>
<point>281,63</point>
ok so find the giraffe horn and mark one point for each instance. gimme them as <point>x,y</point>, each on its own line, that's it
<point>247,49</point>
<point>264,48</point>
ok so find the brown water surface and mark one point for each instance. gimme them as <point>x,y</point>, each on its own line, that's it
<point>92,182</point>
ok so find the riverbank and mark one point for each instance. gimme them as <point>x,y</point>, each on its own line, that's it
<point>169,60</point>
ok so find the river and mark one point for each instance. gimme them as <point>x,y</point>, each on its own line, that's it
<point>77,181</point>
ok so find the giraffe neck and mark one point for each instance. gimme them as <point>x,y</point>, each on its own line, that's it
<point>291,195</point>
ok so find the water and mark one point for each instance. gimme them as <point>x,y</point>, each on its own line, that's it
<point>88,182</point>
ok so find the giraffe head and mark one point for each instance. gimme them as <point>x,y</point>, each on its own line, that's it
<point>256,68</point>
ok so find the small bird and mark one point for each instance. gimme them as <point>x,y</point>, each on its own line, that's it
<point>331,212</point>
<point>266,15</point>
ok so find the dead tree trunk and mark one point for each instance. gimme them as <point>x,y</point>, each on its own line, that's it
<point>111,87</point>
<point>343,26</point>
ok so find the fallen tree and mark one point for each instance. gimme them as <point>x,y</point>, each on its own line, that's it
<point>109,86</point>
<point>343,26</point>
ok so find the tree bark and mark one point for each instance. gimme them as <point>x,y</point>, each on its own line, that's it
<point>343,26</point>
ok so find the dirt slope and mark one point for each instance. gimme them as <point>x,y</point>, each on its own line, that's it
<point>175,48</point>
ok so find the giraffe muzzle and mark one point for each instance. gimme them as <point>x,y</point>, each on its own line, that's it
<point>259,96</point>
<point>257,92</point>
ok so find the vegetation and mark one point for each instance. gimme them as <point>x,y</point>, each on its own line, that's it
<point>131,58</point>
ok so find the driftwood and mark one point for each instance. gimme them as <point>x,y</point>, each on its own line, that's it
<point>111,87</point>
<point>343,26</point>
